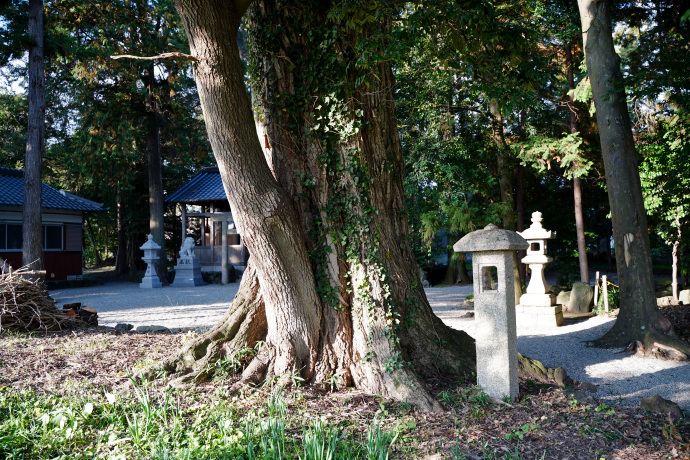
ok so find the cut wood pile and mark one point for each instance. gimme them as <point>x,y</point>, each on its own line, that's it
<point>26,306</point>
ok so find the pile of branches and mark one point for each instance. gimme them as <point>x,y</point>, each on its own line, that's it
<point>26,306</point>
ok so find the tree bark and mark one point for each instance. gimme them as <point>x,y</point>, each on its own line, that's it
<point>121,254</point>
<point>674,267</point>
<point>153,153</point>
<point>639,318</point>
<point>577,182</point>
<point>32,228</point>
<point>506,183</point>
<point>328,235</point>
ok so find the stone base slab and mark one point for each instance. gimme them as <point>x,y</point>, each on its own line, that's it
<point>551,316</point>
<point>538,300</point>
<point>188,273</point>
<point>150,283</point>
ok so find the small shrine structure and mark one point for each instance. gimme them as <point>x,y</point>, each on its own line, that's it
<point>205,216</point>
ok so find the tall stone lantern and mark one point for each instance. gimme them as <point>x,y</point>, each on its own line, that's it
<point>151,256</point>
<point>494,307</point>
<point>537,304</point>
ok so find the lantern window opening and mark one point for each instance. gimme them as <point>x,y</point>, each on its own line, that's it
<point>489,278</point>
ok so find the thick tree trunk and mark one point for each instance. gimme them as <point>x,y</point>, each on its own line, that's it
<point>121,254</point>
<point>336,277</point>
<point>32,228</point>
<point>153,152</point>
<point>674,267</point>
<point>577,182</point>
<point>505,183</point>
<point>639,318</point>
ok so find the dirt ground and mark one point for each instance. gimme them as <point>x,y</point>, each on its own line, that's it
<point>546,422</point>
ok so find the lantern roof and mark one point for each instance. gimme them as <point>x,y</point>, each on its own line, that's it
<point>536,231</point>
<point>491,238</point>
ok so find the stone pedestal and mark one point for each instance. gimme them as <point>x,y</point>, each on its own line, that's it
<point>494,308</point>
<point>188,268</point>
<point>151,251</point>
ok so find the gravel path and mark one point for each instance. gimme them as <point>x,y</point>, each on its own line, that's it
<point>622,379</point>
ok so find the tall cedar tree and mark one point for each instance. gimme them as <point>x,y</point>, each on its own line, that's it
<point>332,286</point>
<point>32,230</point>
<point>639,320</point>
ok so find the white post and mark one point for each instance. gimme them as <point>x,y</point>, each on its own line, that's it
<point>605,293</point>
<point>596,289</point>
<point>224,251</point>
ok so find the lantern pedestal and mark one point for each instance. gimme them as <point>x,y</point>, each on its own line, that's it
<point>494,308</point>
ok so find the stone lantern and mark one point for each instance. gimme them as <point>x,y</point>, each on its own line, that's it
<point>151,256</point>
<point>537,304</point>
<point>494,307</point>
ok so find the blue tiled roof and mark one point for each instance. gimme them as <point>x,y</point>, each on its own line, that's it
<point>205,186</point>
<point>12,193</point>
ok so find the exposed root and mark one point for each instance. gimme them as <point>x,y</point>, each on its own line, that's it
<point>657,350</point>
<point>254,373</point>
<point>655,338</point>
<point>242,326</point>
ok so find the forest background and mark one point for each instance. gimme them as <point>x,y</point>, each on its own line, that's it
<point>493,103</point>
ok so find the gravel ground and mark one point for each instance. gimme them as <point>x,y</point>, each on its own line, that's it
<point>173,307</point>
<point>622,379</point>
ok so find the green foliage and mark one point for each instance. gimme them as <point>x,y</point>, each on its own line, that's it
<point>151,423</point>
<point>522,431</point>
<point>13,123</point>
<point>664,173</point>
<point>614,295</point>
<point>379,442</point>
<point>541,151</point>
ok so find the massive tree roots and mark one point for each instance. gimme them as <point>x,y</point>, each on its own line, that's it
<point>244,327</point>
<point>653,338</point>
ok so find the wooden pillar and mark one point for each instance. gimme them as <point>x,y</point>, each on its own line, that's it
<point>203,226</point>
<point>224,251</point>
<point>183,217</point>
<point>212,234</point>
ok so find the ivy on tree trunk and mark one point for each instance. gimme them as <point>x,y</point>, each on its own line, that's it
<point>332,269</point>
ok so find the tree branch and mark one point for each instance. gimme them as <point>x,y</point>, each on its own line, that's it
<point>173,54</point>
<point>241,6</point>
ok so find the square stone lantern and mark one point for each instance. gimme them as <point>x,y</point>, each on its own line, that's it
<point>151,256</point>
<point>494,307</point>
<point>537,305</point>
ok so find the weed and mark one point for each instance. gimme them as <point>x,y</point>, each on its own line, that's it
<point>522,431</point>
<point>379,442</point>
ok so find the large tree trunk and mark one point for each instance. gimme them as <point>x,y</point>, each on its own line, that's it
<point>32,228</point>
<point>153,152</point>
<point>336,277</point>
<point>505,183</point>
<point>121,254</point>
<point>639,318</point>
<point>577,182</point>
